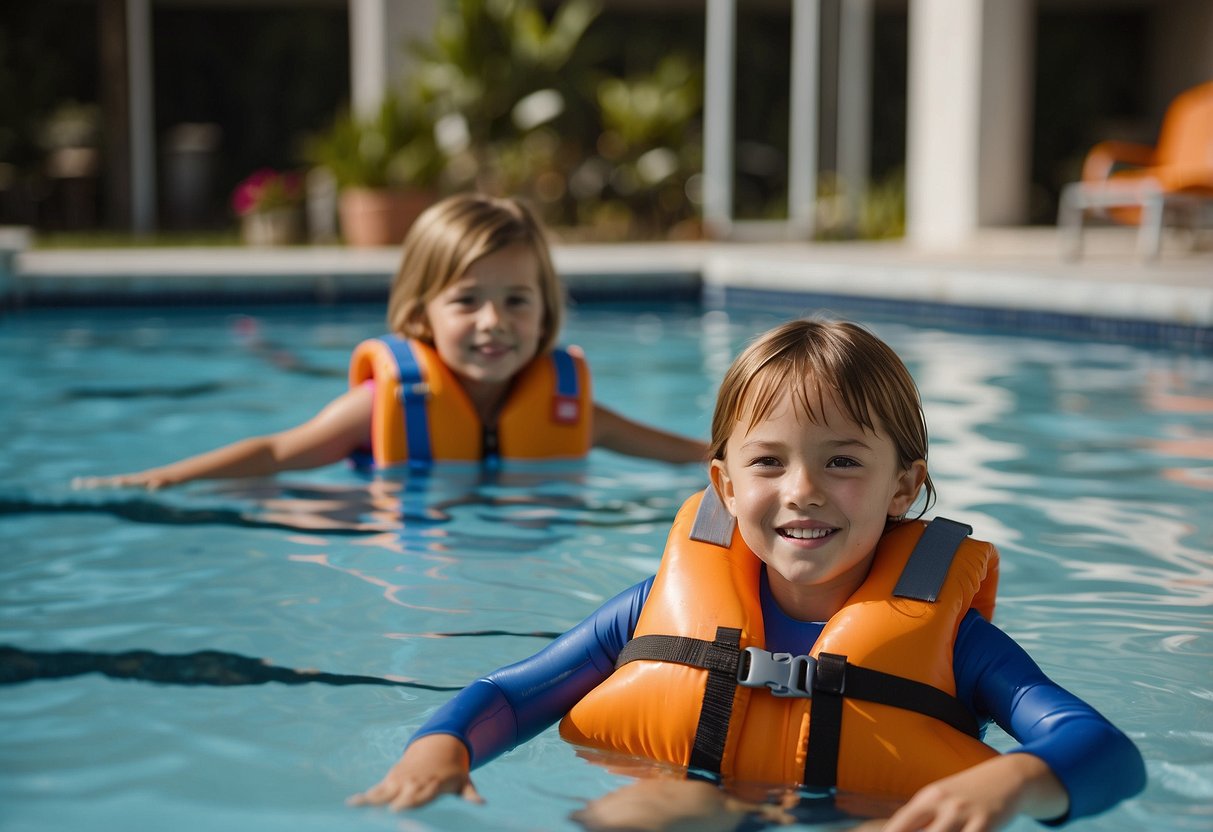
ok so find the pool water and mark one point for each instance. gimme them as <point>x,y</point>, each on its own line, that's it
<point>245,655</point>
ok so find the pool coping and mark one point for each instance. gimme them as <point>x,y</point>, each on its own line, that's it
<point>1108,304</point>
<point>1004,281</point>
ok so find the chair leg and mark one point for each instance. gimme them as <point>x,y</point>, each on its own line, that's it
<point>1070,213</point>
<point>1149,237</point>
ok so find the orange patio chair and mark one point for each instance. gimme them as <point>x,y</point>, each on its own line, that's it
<point>1142,185</point>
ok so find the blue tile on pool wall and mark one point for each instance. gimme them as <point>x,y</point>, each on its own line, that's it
<point>1028,321</point>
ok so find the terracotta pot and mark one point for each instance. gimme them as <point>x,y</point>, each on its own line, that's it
<point>278,227</point>
<point>374,217</point>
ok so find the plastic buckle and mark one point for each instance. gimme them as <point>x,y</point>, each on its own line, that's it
<point>786,675</point>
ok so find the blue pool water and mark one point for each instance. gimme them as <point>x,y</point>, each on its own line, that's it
<point>246,655</point>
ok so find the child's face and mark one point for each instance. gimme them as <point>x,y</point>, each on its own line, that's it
<point>487,325</point>
<point>811,499</point>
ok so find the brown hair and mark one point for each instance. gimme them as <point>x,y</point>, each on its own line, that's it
<point>813,359</point>
<point>452,235</point>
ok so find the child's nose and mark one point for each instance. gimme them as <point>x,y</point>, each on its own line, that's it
<point>801,488</point>
<point>490,315</point>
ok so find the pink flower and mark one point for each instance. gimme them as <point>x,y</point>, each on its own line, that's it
<point>266,189</point>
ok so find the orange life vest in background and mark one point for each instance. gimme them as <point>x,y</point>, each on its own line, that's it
<point>421,413</point>
<point>675,694</point>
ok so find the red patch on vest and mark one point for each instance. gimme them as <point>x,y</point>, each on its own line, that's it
<point>566,410</point>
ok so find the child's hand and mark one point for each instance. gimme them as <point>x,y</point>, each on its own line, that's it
<point>983,798</point>
<point>431,766</point>
<point>151,480</point>
<point>662,805</point>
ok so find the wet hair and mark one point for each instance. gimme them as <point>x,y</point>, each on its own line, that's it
<point>447,239</point>
<point>815,359</point>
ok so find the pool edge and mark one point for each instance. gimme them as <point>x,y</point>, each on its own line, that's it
<point>1121,301</point>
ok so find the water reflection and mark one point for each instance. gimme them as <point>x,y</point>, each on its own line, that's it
<point>1169,394</point>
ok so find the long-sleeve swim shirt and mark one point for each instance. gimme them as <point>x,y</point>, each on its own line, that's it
<point>995,679</point>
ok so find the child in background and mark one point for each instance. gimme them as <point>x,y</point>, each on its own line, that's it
<point>471,371</point>
<point>801,631</point>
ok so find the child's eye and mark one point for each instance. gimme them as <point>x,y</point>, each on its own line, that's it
<point>843,462</point>
<point>765,462</point>
<point>519,300</point>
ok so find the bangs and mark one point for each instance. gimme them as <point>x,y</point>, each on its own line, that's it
<point>802,376</point>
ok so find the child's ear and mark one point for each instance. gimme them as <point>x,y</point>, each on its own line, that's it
<point>719,476</point>
<point>418,324</point>
<point>909,483</point>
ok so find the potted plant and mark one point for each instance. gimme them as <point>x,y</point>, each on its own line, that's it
<point>268,204</point>
<point>386,168</point>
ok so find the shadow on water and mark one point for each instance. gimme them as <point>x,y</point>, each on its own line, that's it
<point>151,511</point>
<point>185,391</point>
<point>205,667</point>
<point>244,332</point>
<point>544,634</point>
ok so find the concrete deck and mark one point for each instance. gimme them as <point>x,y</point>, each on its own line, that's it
<point>1016,271</point>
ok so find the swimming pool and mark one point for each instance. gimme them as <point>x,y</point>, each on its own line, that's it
<point>246,655</point>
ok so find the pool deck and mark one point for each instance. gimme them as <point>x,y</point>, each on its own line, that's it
<point>1016,271</point>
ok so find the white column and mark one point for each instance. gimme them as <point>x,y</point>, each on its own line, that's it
<point>855,102</point>
<point>802,139</point>
<point>719,50</point>
<point>368,55</point>
<point>142,120</point>
<point>943,121</point>
<point>381,32</point>
<point>1005,163</point>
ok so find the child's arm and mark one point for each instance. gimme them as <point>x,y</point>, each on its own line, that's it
<point>622,435</point>
<point>508,707</point>
<point>329,436</point>
<point>1071,762</point>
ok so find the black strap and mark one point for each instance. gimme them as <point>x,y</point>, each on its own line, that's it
<point>908,694</point>
<point>835,680</point>
<point>825,722</point>
<point>719,658</point>
<point>490,445</point>
<point>927,567</point>
<point>695,652</point>
<point>713,729</point>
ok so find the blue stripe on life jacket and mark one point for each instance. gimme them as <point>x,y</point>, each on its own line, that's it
<point>566,373</point>
<point>413,395</point>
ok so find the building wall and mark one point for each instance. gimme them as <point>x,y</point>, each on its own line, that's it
<point>1181,44</point>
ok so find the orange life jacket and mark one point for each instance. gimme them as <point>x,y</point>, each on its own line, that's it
<point>883,711</point>
<point>421,413</point>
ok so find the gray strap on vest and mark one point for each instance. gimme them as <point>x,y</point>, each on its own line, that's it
<point>713,523</point>
<point>928,564</point>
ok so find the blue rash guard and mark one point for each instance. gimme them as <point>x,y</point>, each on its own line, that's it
<point>995,678</point>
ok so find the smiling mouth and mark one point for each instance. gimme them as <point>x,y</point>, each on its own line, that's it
<point>805,534</point>
<point>492,350</point>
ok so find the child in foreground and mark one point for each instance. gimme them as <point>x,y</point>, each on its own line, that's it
<point>800,631</point>
<point>471,371</point>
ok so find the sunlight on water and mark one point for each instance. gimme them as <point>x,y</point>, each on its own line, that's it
<point>247,654</point>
